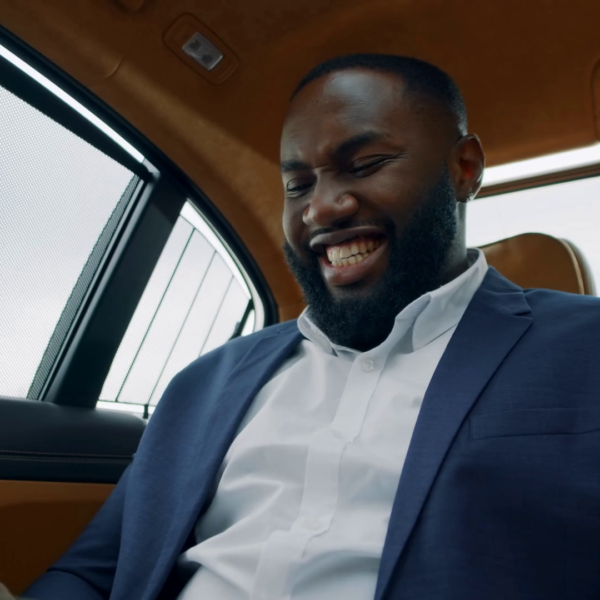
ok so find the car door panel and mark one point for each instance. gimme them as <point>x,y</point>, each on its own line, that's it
<point>42,441</point>
<point>58,464</point>
<point>39,520</point>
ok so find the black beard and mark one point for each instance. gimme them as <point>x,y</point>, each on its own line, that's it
<point>417,261</point>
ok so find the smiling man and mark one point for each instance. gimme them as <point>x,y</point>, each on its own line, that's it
<point>376,160</point>
<point>425,429</point>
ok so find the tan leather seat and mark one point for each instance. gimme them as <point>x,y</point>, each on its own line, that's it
<point>537,260</point>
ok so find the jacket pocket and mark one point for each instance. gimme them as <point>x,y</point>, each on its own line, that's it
<point>537,421</point>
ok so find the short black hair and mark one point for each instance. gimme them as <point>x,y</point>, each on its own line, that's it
<point>422,79</point>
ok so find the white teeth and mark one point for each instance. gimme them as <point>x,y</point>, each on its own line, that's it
<point>352,260</point>
<point>353,252</point>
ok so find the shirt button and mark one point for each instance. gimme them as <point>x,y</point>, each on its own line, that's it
<point>312,524</point>
<point>368,365</point>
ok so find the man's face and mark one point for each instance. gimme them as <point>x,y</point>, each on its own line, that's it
<point>370,208</point>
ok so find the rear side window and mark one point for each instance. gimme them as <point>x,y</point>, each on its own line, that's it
<point>60,202</point>
<point>196,300</point>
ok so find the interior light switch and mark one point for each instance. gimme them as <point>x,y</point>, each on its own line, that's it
<point>203,51</point>
<point>200,49</point>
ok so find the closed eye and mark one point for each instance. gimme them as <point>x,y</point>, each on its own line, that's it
<point>297,187</point>
<point>365,169</point>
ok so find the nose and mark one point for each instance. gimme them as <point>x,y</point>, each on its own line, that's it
<point>329,206</point>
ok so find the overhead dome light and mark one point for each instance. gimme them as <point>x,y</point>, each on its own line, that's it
<point>551,163</point>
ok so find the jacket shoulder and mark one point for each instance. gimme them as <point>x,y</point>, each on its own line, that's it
<point>567,315</point>
<point>554,302</point>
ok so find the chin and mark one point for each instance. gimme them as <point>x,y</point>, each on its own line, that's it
<point>358,290</point>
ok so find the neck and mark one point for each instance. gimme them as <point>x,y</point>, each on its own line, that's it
<point>458,263</point>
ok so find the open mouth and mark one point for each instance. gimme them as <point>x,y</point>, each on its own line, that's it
<point>353,251</point>
<point>353,260</point>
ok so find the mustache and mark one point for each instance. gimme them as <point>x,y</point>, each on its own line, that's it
<point>385,223</point>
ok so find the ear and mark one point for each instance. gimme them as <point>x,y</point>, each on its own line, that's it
<point>469,163</point>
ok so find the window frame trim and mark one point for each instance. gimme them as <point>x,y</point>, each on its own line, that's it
<point>81,294</point>
<point>33,93</point>
<point>537,181</point>
<point>81,369</point>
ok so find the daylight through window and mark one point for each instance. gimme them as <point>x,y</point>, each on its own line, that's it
<point>195,301</point>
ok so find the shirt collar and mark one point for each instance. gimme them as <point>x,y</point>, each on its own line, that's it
<point>423,320</point>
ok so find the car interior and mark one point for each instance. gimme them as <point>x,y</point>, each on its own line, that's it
<point>172,110</point>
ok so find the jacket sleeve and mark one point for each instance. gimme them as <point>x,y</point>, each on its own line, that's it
<point>87,570</point>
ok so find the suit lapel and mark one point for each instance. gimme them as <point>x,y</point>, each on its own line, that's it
<point>496,318</point>
<point>213,441</point>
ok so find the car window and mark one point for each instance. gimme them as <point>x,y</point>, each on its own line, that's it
<point>61,201</point>
<point>569,210</point>
<point>65,205</point>
<point>195,300</point>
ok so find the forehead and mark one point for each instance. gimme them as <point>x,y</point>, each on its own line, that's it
<point>344,104</point>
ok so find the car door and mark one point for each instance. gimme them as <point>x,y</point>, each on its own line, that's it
<point>111,280</point>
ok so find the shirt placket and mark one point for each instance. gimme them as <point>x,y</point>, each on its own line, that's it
<point>282,553</point>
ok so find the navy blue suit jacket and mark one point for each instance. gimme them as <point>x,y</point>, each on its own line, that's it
<point>499,497</point>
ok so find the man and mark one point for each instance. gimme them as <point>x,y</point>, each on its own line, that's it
<point>426,429</point>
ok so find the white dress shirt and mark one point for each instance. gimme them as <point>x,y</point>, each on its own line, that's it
<point>304,495</point>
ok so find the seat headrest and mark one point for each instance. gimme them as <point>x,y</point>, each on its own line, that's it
<point>537,260</point>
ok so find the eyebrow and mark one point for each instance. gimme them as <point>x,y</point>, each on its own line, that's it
<point>346,147</point>
<point>355,142</point>
<point>293,165</point>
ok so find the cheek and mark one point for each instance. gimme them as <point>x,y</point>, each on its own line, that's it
<point>389,193</point>
<point>293,225</point>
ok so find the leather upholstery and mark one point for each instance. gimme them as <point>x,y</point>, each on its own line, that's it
<point>39,520</point>
<point>537,260</point>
